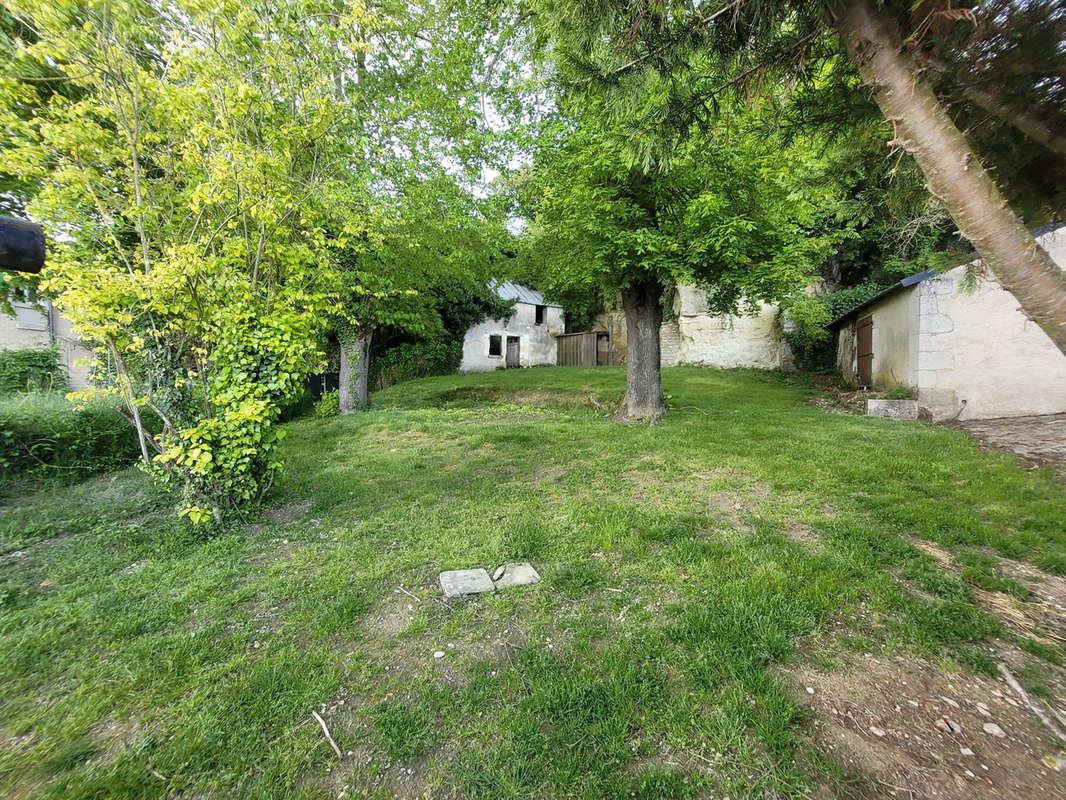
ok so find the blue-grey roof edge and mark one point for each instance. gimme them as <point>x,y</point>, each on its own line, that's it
<point>918,277</point>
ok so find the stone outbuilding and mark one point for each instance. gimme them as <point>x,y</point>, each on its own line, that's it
<point>525,339</point>
<point>39,324</point>
<point>959,341</point>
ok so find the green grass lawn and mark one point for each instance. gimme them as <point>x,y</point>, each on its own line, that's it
<point>687,566</point>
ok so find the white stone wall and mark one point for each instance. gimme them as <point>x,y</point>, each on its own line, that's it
<point>726,341</point>
<point>536,346</point>
<point>970,351</point>
<point>29,328</point>
<point>695,336</point>
<point>978,346</point>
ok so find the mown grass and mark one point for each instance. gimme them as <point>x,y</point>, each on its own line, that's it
<point>685,566</point>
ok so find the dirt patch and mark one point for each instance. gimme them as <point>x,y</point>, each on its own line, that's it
<point>288,513</point>
<point>904,727</point>
<point>110,737</point>
<point>805,536</point>
<point>730,504</point>
<point>1041,618</point>
<point>522,397</point>
<point>1039,441</point>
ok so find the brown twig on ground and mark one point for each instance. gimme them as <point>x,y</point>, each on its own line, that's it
<point>325,730</point>
<point>1018,690</point>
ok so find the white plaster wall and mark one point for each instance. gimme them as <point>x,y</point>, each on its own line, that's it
<point>978,346</point>
<point>726,341</point>
<point>536,346</point>
<point>12,337</point>
<point>895,339</point>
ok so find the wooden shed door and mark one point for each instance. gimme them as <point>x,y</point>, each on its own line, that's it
<point>603,349</point>
<point>864,346</point>
<point>512,351</point>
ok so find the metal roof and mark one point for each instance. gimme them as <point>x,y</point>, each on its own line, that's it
<point>910,280</point>
<point>523,294</point>
<point>918,277</point>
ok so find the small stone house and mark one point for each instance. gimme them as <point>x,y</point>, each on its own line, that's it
<point>525,339</point>
<point>960,341</point>
<point>33,326</point>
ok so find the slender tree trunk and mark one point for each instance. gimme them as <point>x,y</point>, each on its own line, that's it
<point>644,387</point>
<point>1033,127</point>
<point>952,171</point>
<point>1036,129</point>
<point>353,378</point>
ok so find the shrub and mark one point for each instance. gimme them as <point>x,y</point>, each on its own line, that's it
<point>31,369</point>
<point>808,338</point>
<point>328,405</point>
<point>416,360</point>
<point>45,437</point>
<point>811,343</point>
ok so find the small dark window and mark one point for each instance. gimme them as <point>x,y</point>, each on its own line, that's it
<point>540,315</point>
<point>495,345</point>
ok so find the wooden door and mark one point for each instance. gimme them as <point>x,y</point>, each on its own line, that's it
<point>864,347</point>
<point>512,351</point>
<point>603,349</point>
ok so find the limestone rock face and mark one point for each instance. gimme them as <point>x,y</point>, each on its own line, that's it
<point>726,341</point>
<point>695,336</point>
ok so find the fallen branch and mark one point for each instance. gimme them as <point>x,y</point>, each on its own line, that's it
<point>325,730</point>
<point>1018,690</point>
<point>409,594</point>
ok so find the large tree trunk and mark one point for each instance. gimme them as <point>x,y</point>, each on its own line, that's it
<point>353,378</point>
<point>644,388</point>
<point>952,171</point>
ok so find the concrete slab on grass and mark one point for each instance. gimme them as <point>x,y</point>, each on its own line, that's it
<point>893,409</point>
<point>465,582</point>
<point>517,575</point>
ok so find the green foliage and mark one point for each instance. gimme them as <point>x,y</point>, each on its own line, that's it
<point>204,193</point>
<point>729,217</point>
<point>811,343</point>
<point>327,405</point>
<point>44,437</point>
<point>31,370</point>
<point>419,359</point>
<point>807,337</point>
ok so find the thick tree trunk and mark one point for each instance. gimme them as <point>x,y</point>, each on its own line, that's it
<point>644,388</point>
<point>952,171</point>
<point>353,378</point>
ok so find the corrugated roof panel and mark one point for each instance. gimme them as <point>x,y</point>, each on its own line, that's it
<point>523,294</point>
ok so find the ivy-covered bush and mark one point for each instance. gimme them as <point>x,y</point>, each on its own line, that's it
<point>416,360</point>
<point>31,369</point>
<point>44,437</point>
<point>810,341</point>
<point>328,405</point>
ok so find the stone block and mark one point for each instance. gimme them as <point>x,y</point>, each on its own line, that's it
<point>936,323</point>
<point>927,304</point>
<point>893,409</point>
<point>465,582</point>
<point>517,575</point>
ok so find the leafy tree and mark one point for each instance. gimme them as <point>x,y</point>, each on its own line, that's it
<point>727,217</point>
<point>433,235</point>
<point>670,64</point>
<point>198,179</point>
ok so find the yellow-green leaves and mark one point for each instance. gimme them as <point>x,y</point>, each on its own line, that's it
<point>193,176</point>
